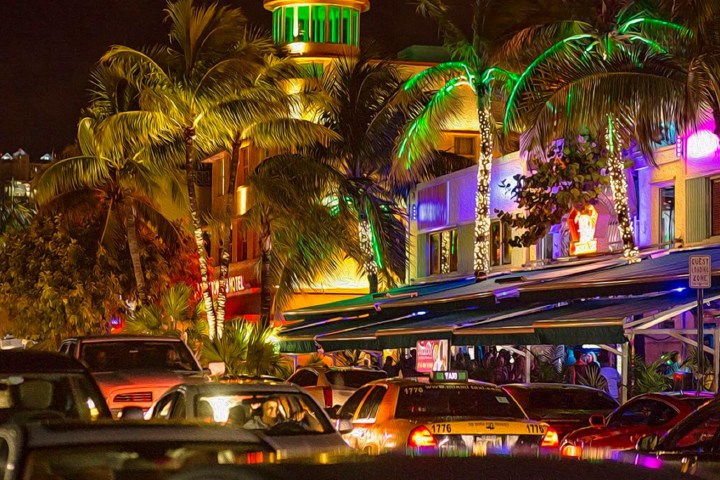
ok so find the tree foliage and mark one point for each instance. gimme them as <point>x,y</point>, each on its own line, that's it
<point>55,281</point>
<point>571,176</point>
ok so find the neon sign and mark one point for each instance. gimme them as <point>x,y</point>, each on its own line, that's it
<point>233,284</point>
<point>582,230</point>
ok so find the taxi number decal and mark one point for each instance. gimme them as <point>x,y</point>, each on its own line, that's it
<point>411,390</point>
<point>532,428</point>
<point>441,428</point>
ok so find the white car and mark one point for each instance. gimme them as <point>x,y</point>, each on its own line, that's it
<point>284,415</point>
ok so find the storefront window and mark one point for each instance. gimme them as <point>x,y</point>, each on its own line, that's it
<point>442,252</point>
<point>667,215</point>
<point>289,23</point>
<point>334,17</point>
<point>319,19</point>
<point>500,251</point>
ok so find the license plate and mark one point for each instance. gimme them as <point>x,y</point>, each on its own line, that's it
<point>485,443</point>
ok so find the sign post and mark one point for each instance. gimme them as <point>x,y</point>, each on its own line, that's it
<point>700,278</point>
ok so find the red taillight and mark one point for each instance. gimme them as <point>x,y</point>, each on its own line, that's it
<point>551,438</point>
<point>328,396</point>
<point>571,451</point>
<point>421,437</point>
<point>255,457</point>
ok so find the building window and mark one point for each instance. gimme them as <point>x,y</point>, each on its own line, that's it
<point>667,215</point>
<point>356,27</point>
<point>715,208</point>
<point>500,251</point>
<point>242,243</point>
<point>334,18</point>
<point>544,248</point>
<point>303,24</point>
<point>289,32</point>
<point>319,19</point>
<point>346,29</point>
<point>465,146</point>
<point>277,25</point>
<point>442,252</point>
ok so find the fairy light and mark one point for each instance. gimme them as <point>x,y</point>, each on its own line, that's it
<point>482,197</point>
<point>619,186</point>
<point>445,252</point>
<point>366,247</point>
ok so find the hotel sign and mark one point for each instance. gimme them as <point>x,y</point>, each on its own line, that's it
<point>232,285</point>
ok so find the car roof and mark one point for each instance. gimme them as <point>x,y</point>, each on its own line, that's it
<point>250,387</point>
<point>121,337</point>
<point>550,386</point>
<point>36,361</point>
<point>326,368</point>
<point>409,381</point>
<point>52,434</point>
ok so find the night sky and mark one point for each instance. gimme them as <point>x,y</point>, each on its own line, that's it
<point>49,47</point>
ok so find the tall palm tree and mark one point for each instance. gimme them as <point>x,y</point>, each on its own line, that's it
<point>474,69</point>
<point>614,73</point>
<point>121,175</point>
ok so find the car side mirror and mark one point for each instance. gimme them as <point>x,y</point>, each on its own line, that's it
<point>597,420</point>
<point>333,412</point>
<point>344,425</point>
<point>132,413</point>
<point>647,443</point>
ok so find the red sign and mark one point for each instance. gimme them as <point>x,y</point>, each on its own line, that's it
<point>432,355</point>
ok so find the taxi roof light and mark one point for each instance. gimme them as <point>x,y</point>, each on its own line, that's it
<point>421,437</point>
<point>449,376</point>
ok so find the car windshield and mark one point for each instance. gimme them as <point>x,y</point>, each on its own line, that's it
<point>456,400</point>
<point>353,378</point>
<point>138,460</point>
<point>137,355</point>
<point>563,399</point>
<point>50,395</point>
<point>281,413</point>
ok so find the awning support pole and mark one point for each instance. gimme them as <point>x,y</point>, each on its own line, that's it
<point>716,360</point>
<point>528,363</point>
<point>625,372</point>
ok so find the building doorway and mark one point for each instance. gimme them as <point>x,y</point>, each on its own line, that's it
<point>667,217</point>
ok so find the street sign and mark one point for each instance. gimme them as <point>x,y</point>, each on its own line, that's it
<point>700,271</point>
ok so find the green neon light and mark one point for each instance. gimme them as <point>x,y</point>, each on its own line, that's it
<point>412,83</point>
<point>652,21</point>
<point>488,75</point>
<point>654,45</point>
<point>550,51</point>
<point>611,135</point>
<point>376,246</point>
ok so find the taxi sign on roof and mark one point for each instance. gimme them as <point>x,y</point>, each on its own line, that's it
<point>450,376</point>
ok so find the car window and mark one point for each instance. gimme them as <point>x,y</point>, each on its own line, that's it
<point>569,399</point>
<point>353,378</point>
<point>643,412</point>
<point>370,406</point>
<point>457,400</point>
<point>304,378</point>
<point>179,410</point>
<point>137,355</point>
<point>164,406</point>
<point>701,435</point>
<point>351,404</point>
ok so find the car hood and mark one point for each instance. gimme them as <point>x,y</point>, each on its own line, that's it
<point>293,447</point>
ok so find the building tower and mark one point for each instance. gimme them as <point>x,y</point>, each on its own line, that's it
<point>317,28</point>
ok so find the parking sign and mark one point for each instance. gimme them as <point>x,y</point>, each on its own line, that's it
<point>700,271</point>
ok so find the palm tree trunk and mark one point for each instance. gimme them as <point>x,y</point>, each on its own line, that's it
<point>619,186</point>
<point>482,195</point>
<point>134,249</point>
<point>225,256</point>
<point>368,254</point>
<point>198,234</point>
<point>265,287</point>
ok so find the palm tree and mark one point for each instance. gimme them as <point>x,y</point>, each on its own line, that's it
<point>120,174</point>
<point>613,73</point>
<point>473,68</point>
<point>16,213</point>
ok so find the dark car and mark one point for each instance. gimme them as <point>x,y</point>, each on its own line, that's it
<point>331,386</point>
<point>36,384</point>
<point>563,407</point>
<point>690,447</point>
<point>651,413</point>
<point>135,370</point>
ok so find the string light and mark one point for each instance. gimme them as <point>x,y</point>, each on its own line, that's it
<point>619,186</point>
<point>482,197</point>
<point>445,252</point>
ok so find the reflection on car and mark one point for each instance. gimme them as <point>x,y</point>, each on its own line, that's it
<point>651,413</point>
<point>283,414</point>
<point>36,385</point>
<point>332,386</point>
<point>121,450</point>
<point>690,447</point>
<point>434,416</point>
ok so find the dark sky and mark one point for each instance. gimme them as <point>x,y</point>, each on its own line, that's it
<point>49,47</point>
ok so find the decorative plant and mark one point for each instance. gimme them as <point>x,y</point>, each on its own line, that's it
<point>649,377</point>
<point>590,377</point>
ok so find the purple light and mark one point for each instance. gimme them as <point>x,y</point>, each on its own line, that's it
<point>702,143</point>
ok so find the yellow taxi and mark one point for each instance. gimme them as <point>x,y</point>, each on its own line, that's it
<point>446,413</point>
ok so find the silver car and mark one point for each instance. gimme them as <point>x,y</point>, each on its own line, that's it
<point>284,415</point>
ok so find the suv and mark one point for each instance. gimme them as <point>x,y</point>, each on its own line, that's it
<point>35,384</point>
<point>135,370</point>
<point>331,386</point>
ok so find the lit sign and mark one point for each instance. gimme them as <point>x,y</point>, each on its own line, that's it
<point>432,355</point>
<point>232,284</point>
<point>702,144</point>
<point>450,376</point>
<point>582,230</point>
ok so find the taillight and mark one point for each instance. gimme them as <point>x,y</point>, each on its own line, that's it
<point>551,438</point>
<point>255,457</point>
<point>421,437</point>
<point>328,396</point>
<point>571,451</point>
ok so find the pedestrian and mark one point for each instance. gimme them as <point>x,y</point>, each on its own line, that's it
<point>613,377</point>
